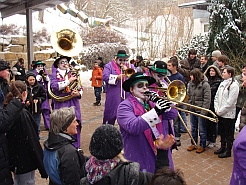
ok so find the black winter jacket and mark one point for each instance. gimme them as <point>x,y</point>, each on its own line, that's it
<point>25,151</point>
<point>7,117</point>
<point>35,92</point>
<point>61,155</point>
<point>127,173</point>
<point>20,69</point>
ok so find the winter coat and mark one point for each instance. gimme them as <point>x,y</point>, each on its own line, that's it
<point>96,79</point>
<point>187,65</point>
<point>214,82</point>
<point>137,143</point>
<point>35,92</point>
<point>25,151</point>
<point>242,92</point>
<point>63,162</point>
<point>20,69</point>
<point>4,89</point>
<point>238,175</point>
<point>243,116</point>
<point>225,100</point>
<point>199,95</point>
<point>204,67</point>
<point>7,119</point>
<point>124,173</point>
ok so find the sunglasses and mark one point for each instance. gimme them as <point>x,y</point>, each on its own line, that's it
<point>160,75</point>
<point>123,60</point>
<point>142,84</point>
<point>63,62</point>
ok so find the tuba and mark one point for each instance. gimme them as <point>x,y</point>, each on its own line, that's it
<point>67,43</point>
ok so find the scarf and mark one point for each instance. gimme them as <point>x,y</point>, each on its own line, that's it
<point>116,67</point>
<point>98,169</point>
<point>139,110</point>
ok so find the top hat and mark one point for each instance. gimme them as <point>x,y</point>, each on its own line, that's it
<point>38,63</point>
<point>137,77</point>
<point>58,59</point>
<point>122,54</point>
<point>159,67</point>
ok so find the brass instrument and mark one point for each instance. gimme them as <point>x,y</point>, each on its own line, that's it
<point>67,43</point>
<point>176,93</point>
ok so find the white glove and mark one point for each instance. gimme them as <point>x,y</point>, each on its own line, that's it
<point>39,77</point>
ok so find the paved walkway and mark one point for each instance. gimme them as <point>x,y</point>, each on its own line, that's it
<point>199,169</point>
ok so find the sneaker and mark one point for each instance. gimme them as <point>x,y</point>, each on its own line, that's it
<point>211,145</point>
<point>200,150</point>
<point>190,148</point>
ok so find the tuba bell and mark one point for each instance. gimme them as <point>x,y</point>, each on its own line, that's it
<point>66,42</point>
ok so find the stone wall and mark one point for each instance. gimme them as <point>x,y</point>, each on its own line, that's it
<point>15,47</point>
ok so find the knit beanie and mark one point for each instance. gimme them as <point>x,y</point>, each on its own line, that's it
<point>216,53</point>
<point>30,73</point>
<point>106,142</point>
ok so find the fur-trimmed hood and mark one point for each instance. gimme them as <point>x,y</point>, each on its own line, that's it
<point>218,73</point>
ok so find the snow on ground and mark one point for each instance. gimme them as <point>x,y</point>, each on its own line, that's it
<point>86,79</point>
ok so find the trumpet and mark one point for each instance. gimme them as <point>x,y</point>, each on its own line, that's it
<point>176,93</point>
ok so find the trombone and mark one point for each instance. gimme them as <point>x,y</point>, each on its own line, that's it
<point>176,93</point>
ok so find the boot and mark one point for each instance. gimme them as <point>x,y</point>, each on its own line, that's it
<point>225,154</point>
<point>222,148</point>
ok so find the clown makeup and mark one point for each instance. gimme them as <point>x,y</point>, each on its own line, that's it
<point>212,72</point>
<point>158,77</point>
<point>121,61</point>
<point>139,88</point>
<point>40,67</point>
<point>63,64</point>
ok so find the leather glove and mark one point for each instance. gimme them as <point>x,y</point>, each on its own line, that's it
<point>162,106</point>
<point>41,72</point>
<point>153,96</point>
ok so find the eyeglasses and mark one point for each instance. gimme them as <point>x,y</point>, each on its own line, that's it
<point>63,62</point>
<point>123,60</point>
<point>142,84</point>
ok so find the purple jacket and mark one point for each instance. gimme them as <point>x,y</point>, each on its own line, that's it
<point>136,145</point>
<point>239,165</point>
<point>113,95</point>
<point>44,83</point>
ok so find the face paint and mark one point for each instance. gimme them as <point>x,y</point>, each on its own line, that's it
<point>40,67</point>
<point>139,88</point>
<point>158,77</point>
<point>63,64</point>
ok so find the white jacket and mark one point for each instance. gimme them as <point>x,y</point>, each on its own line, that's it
<point>225,101</point>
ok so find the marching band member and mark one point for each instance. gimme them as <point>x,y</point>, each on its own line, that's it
<point>113,77</point>
<point>159,71</point>
<point>43,78</point>
<point>143,124</point>
<point>60,80</point>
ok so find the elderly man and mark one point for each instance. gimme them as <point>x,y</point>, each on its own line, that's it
<point>60,80</point>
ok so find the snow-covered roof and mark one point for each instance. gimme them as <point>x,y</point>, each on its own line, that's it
<point>191,4</point>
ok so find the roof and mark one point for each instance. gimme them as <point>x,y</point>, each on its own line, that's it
<point>11,7</point>
<point>191,4</point>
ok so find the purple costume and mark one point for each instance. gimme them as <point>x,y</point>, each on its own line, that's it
<point>113,91</point>
<point>136,133</point>
<point>55,78</point>
<point>45,105</point>
<point>239,165</point>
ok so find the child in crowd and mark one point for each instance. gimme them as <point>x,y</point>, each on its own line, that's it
<point>167,176</point>
<point>35,97</point>
<point>96,82</point>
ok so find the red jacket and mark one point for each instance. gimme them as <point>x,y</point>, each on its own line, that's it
<point>96,79</point>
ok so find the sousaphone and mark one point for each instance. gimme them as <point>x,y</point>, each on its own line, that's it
<point>67,43</point>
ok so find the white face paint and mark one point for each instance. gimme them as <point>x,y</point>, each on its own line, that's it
<point>139,88</point>
<point>40,67</point>
<point>157,76</point>
<point>63,64</point>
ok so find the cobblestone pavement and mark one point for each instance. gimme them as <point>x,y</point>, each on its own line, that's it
<point>199,169</point>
